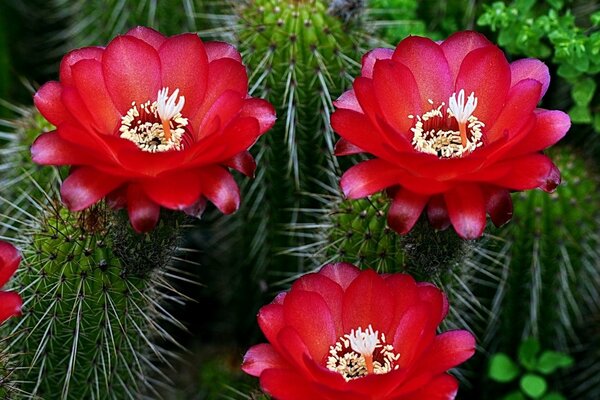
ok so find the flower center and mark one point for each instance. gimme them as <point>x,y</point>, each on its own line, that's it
<point>156,126</point>
<point>449,133</point>
<point>361,353</point>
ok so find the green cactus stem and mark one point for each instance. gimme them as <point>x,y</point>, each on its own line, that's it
<point>95,306</point>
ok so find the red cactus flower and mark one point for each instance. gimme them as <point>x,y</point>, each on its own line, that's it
<point>346,334</point>
<point>453,128</point>
<point>151,122</point>
<point>10,302</point>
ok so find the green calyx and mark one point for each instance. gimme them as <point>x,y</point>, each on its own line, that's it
<point>356,231</point>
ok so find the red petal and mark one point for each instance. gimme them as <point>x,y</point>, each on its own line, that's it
<point>359,130</point>
<point>117,199</point>
<point>131,71</point>
<point>475,76</point>
<point>9,261</point>
<point>271,321</point>
<point>498,204</point>
<point>348,101</point>
<point>369,60</point>
<point>405,210</point>
<point>331,293</point>
<point>458,45</point>
<point>550,127</point>
<point>222,112</point>
<point>86,53</point>
<point>260,358</point>
<point>414,333</point>
<point>443,387</point>
<point>430,69</point>
<point>317,328</point>
<point>85,186</point>
<point>367,301</point>
<point>176,191</point>
<point>530,68</point>
<point>341,273</point>
<point>143,212</point>
<point>189,76</point>
<point>238,136</point>
<point>522,100</point>
<point>242,162</point>
<point>437,213</point>
<point>369,177</point>
<point>448,350</point>
<point>223,74</point>
<point>148,35</point>
<point>48,100</point>
<point>345,148</point>
<point>50,149</point>
<point>287,385</point>
<point>220,188</point>
<point>76,108</point>
<point>397,95</point>
<point>528,172</point>
<point>89,82</point>
<point>217,50</point>
<point>466,208</point>
<point>437,301</point>
<point>292,348</point>
<point>92,146</point>
<point>10,305</point>
<point>262,110</point>
<point>404,290</point>
<point>197,209</point>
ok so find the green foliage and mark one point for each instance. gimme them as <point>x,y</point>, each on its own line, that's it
<point>91,322</point>
<point>550,31</point>
<point>534,369</point>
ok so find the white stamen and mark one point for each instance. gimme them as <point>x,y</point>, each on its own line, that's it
<point>459,109</point>
<point>365,342</point>
<point>166,107</point>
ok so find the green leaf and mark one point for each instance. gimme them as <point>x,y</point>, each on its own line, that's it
<point>556,4</point>
<point>554,396</point>
<point>514,396</point>
<point>583,91</point>
<point>580,115</point>
<point>597,122</point>
<point>533,385</point>
<point>567,71</point>
<point>550,361</point>
<point>528,351</point>
<point>502,368</point>
<point>595,18</point>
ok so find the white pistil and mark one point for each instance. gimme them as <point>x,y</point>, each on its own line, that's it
<point>459,109</point>
<point>462,111</point>
<point>364,343</point>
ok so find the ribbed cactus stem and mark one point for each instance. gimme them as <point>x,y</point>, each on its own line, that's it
<point>94,307</point>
